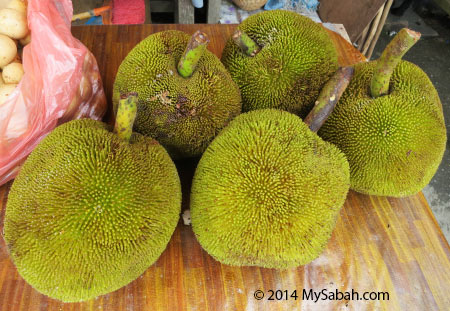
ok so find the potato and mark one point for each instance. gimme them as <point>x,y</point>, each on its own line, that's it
<point>95,79</point>
<point>8,50</point>
<point>1,81</point>
<point>85,88</point>
<point>13,24</point>
<point>98,106</point>
<point>17,5</point>
<point>3,3</point>
<point>5,91</point>
<point>12,73</point>
<point>87,64</point>
<point>26,40</point>
<point>16,59</point>
<point>72,109</point>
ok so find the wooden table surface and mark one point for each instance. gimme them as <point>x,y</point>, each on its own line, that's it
<point>379,245</point>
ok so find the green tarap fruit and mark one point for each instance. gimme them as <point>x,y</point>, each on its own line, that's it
<point>90,211</point>
<point>389,123</point>
<point>268,190</point>
<point>186,96</point>
<point>280,59</point>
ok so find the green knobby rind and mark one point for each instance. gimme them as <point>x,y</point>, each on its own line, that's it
<point>267,192</point>
<point>89,212</point>
<point>126,114</point>
<point>297,57</point>
<point>389,59</point>
<point>394,143</point>
<point>183,115</point>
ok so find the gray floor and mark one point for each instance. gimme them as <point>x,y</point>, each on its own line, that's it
<point>432,54</point>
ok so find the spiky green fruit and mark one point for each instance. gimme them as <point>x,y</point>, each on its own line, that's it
<point>394,143</point>
<point>267,192</point>
<point>183,114</point>
<point>296,58</point>
<point>90,212</point>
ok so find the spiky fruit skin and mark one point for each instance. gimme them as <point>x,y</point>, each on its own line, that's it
<point>394,143</point>
<point>183,114</point>
<point>296,59</point>
<point>267,192</point>
<point>89,213</point>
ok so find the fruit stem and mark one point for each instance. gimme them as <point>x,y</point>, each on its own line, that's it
<point>328,97</point>
<point>191,56</point>
<point>389,59</point>
<point>247,45</point>
<point>126,113</point>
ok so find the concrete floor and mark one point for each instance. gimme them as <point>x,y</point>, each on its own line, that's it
<point>432,54</point>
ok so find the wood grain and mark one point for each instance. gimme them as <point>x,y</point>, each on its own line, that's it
<point>213,11</point>
<point>379,244</point>
<point>184,12</point>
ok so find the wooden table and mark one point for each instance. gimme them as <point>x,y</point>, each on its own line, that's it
<point>379,244</point>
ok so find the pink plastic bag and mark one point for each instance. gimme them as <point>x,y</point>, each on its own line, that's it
<point>61,82</point>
